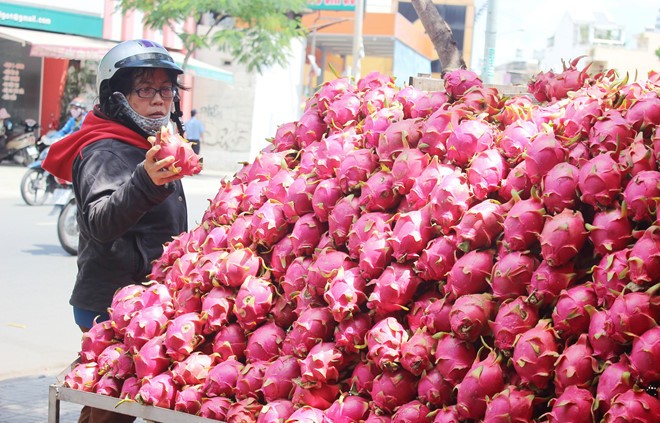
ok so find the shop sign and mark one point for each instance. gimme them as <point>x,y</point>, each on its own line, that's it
<point>29,17</point>
<point>332,4</point>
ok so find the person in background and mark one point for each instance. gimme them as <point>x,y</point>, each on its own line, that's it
<point>78,110</point>
<point>194,131</point>
<point>129,203</point>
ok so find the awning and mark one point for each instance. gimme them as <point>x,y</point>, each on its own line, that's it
<point>76,47</point>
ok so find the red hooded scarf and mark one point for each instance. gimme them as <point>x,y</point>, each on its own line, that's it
<point>61,155</point>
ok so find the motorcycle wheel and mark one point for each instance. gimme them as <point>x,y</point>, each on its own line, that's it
<point>34,187</point>
<point>67,228</point>
<point>23,157</point>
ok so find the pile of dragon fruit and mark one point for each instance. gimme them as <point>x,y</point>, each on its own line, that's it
<point>411,256</point>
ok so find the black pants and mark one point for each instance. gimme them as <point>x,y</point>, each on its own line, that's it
<point>195,146</point>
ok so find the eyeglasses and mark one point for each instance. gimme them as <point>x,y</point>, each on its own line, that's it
<point>165,92</point>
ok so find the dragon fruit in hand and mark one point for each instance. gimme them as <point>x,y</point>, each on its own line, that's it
<point>185,161</point>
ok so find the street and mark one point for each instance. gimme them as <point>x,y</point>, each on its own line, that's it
<point>37,329</point>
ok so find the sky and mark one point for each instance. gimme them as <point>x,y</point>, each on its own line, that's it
<point>527,24</point>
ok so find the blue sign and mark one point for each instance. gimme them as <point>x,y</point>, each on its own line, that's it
<point>50,20</point>
<point>331,4</point>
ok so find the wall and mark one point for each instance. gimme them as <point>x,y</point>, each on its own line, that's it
<point>408,63</point>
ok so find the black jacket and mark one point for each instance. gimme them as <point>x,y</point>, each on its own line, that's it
<point>124,220</point>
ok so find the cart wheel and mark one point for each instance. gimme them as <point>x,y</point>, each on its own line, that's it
<point>67,228</point>
<point>33,187</point>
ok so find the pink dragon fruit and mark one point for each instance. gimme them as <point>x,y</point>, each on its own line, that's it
<point>610,276</point>
<point>515,109</point>
<point>310,128</point>
<point>254,196</point>
<point>237,266</point>
<point>432,176</point>
<point>407,167</point>
<point>222,377</point>
<point>571,316</point>
<point>511,274</point>
<point>324,267</point>
<point>313,325</point>
<point>547,282</point>
<point>610,231</point>
<point>378,121</point>
<point>83,377</point>
<point>279,378</point>
<point>470,314</point>
<point>350,333</point>
<point>215,408</point>
<point>560,188</point>
<point>244,410</point>
<point>433,389</point>
<point>458,81</point>
<point>356,168</point>
<point>392,389</point>
<point>345,293</point>
<point>512,405</point>
<point>186,300</point>
<point>129,388</point>
<point>562,237</point>
<point>254,300</point>
<point>515,138</point>
<point>437,258</point>
<point>393,289</point>
<point>264,342</point>
<point>367,224</point>
<point>610,133</point>
<point>125,303</point>
<point>599,181</point>
<point>645,354</point>
<point>144,325</point>
<point>322,365</point>
<point>325,196</point>
<point>151,359</point>
<point>363,375</point>
<point>417,352</point>
<point>157,294</point>
<point>306,234</point>
<point>189,399</point>
<point>266,165</point>
<point>513,318</point>
<point>384,342</point>
<point>642,195</point>
<point>600,336</point>
<point>307,414</point>
<point>411,232</point>
<point>342,217</point>
<point>230,341</point>
<point>183,335</point>
<point>486,172</point>
<point>634,313</point>
<point>294,279</point>
<point>373,81</point>
<point>544,153</point>
<point>480,225</point>
<point>299,197</point>
<point>108,385</point>
<point>278,410</point>
<point>469,275</point>
<point>375,255</point>
<point>159,391</point>
<point>518,181</point>
<point>95,340</point>
<point>411,412</point>
<point>377,193</point>
<point>574,405</point>
<point>116,361</point>
<point>343,111</point>
<point>484,379</point>
<point>217,306</point>
<point>449,200</point>
<point>534,354</point>
<point>435,315</point>
<point>348,408</point>
<point>224,206</point>
<point>250,380</point>
<point>523,223</point>
<point>454,357</point>
<point>332,150</point>
<point>329,91</point>
<point>320,397</point>
<point>547,86</point>
<point>377,99</point>
<point>578,154</point>
<point>644,259</point>
<point>633,405</point>
<point>470,137</point>
<point>193,370</point>
<point>269,223</point>
<point>644,112</point>
<point>185,161</point>
<point>285,137</point>
<point>435,131</point>
<point>576,366</point>
<point>240,234</point>
<point>616,378</point>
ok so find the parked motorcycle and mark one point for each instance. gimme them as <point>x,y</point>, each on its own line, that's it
<point>37,183</point>
<point>67,219</point>
<point>17,145</point>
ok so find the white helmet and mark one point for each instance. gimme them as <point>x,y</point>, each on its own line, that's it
<point>134,54</point>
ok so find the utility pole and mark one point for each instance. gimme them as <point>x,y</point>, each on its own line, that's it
<point>358,43</point>
<point>488,73</point>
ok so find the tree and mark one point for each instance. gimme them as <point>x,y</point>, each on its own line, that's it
<point>256,33</point>
<point>440,33</point>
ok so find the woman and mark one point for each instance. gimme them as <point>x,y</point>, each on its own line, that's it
<point>77,110</point>
<point>129,204</point>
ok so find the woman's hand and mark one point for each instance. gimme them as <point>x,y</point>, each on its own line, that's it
<point>158,170</point>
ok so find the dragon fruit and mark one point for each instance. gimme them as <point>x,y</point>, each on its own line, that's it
<point>324,267</point>
<point>278,378</point>
<point>413,412</point>
<point>633,405</point>
<point>278,410</point>
<point>108,385</point>
<point>599,181</point>
<point>644,259</point>
<point>560,188</point>
<point>634,313</point>
<point>269,223</point>
<point>313,325</point>
<point>562,237</point>
<point>437,258</point>
<point>610,276</point>
<point>576,366</point>
<point>307,414</point>
<point>469,274</point>
<point>436,315</point>
<point>433,389</point>
<point>384,342</point>
<point>345,293</point>
<point>348,408</point>
<point>458,81</point>
<point>547,282</point>
<point>486,171</point>
<point>250,380</point>
<point>523,223</point>
<point>215,408</point>
<point>544,153</point>
<point>534,354</point>
<point>378,194</point>
<point>470,137</point>
<point>183,335</point>
<point>407,167</point>
<point>189,399</point>
<point>449,200</point>
<point>343,111</point>
<point>254,300</point>
<point>513,318</point>
<point>484,379</point>
<point>512,405</point>
<point>325,196</point>
<point>470,314</point>
<point>222,377</point>
<point>645,354</point>
<point>145,324</point>
<point>615,379</point>
<point>94,341</point>
<point>363,375</point>
<point>159,391</point>
<point>453,357</point>
<point>642,195</point>
<point>411,232</point>
<point>571,313</point>
<point>574,405</point>
<point>230,340</point>
<point>125,303</point>
<point>432,176</point>
<point>375,255</point>
<point>378,121</point>
<point>83,377</point>
<point>116,361</point>
<point>393,289</point>
<point>480,225</point>
<point>356,168</point>
<point>417,351</point>
<point>151,359</point>
<point>350,333</point>
<point>264,342</point>
<point>610,230</point>
<point>185,161</point>
<point>322,365</point>
<point>515,138</point>
<point>547,86</point>
<point>341,218</point>
<point>392,389</point>
<point>600,336</point>
<point>511,274</point>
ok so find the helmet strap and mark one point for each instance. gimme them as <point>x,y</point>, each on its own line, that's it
<point>177,114</point>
